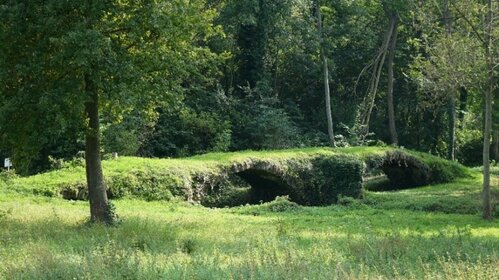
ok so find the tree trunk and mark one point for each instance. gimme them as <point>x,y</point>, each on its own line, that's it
<point>451,110</point>
<point>391,56</point>
<point>327,92</point>
<point>99,206</point>
<point>463,101</point>
<point>451,151</point>
<point>378,64</point>
<point>328,103</point>
<point>487,205</point>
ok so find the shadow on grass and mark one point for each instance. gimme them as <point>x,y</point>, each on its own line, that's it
<point>317,243</point>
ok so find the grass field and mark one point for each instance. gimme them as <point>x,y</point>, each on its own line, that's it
<point>433,232</point>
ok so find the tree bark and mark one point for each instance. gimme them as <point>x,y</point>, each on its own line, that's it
<point>99,205</point>
<point>451,110</point>
<point>327,93</point>
<point>451,150</point>
<point>487,205</point>
<point>391,56</point>
<point>463,101</point>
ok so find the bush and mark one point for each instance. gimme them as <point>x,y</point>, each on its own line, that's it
<point>7,175</point>
<point>308,176</point>
<point>186,132</point>
<point>60,163</point>
<point>413,169</point>
<point>282,204</point>
<point>471,152</point>
<point>149,185</point>
<point>229,193</point>
<point>442,170</point>
<point>334,176</point>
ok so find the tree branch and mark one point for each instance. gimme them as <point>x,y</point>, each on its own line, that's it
<point>475,30</point>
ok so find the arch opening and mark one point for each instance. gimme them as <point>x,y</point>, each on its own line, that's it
<point>264,185</point>
<point>396,172</point>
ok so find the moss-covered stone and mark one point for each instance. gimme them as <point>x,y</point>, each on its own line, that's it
<point>311,176</point>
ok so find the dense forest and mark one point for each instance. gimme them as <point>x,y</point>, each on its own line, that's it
<point>177,78</point>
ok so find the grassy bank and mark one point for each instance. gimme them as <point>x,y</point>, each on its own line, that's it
<point>311,176</point>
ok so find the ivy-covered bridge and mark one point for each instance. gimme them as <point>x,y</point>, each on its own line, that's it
<point>311,176</point>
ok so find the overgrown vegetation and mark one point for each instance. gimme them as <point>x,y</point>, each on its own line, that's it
<point>423,232</point>
<point>314,176</point>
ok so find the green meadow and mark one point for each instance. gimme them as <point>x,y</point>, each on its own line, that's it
<point>432,232</point>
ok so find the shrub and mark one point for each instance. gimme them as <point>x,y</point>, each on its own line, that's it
<point>61,163</point>
<point>307,176</point>
<point>185,132</point>
<point>148,185</point>
<point>308,180</point>
<point>413,169</point>
<point>228,193</point>
<point>442,171</point>
<point>7,175</point>
<point>334,176</point>
<point>470,152</point>
<point>282,204</point>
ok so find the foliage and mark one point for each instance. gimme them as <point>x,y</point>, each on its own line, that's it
<point>312,176</point>
<point>261,124</point>
<point>187,133</point>
<point>133,54</point>
<point>7,175</point>
<point>400,168</point>
<point>210,181</point>
<point>60,163</point>
<point>471,150</point>
<point>178,79</point>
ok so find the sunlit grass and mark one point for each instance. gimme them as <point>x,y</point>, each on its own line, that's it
<point>47,238</point>
<point>433,232</point>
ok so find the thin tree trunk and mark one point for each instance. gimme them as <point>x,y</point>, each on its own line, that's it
<point>378,67</point>
<point>391,56</point>
<point>463,100</point>
<point>451,152</point>
<point>487,205</point>
<point>327,92</point>
<point>451,110</point>
<point>328,103</point>
<point>99,206</point>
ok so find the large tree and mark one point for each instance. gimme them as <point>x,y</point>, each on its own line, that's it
<point>62,61</point>
<point>464,57</point>
<point>481,18</point>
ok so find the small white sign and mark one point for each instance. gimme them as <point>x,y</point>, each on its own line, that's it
<point>7,163</point>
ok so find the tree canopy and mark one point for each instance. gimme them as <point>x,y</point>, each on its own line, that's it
<point>172,78</point>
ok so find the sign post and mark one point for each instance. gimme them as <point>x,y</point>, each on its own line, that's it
<point>7,163</point>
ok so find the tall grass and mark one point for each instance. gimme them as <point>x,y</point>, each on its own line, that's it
<point>49,239</point>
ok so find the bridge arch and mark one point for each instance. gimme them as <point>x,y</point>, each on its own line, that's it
<point>266,181</point>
